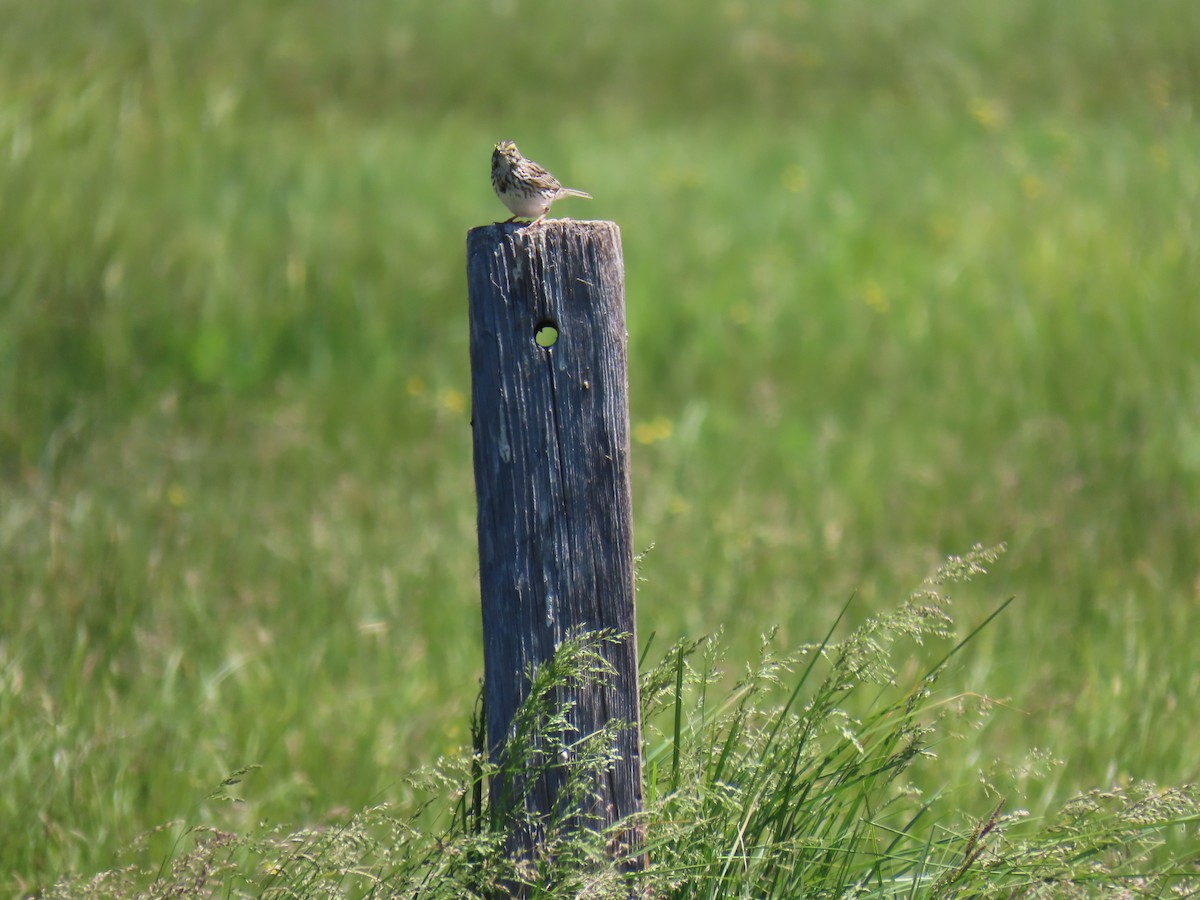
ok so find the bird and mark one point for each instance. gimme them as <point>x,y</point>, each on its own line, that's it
<point>525,187</point>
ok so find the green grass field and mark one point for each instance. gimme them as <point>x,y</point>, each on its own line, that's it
<point>901,277</point>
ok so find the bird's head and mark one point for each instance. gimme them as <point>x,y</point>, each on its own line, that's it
<point>505,152</point>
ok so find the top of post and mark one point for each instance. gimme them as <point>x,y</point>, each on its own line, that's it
<point>546,236</point>
<point>527,230</point>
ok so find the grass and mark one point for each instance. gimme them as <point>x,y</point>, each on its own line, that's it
<point>899,279</point>
<point>774,789</point>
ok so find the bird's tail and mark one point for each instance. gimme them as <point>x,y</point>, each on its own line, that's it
<point>571,192</point>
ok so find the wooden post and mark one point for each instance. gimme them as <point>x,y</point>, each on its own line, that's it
<point>551,440</point>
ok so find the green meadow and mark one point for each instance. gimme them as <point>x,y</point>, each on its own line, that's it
<point>902,277</point>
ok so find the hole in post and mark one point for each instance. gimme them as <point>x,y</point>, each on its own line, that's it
<point>546,334</point>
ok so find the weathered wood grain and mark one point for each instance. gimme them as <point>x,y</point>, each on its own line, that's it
<point>551,452</point>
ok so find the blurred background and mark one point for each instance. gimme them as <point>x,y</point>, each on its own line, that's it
<point>902,277</point>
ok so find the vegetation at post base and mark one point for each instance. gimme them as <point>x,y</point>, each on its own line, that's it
<point>900,276</point>
<point>794,781</point>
